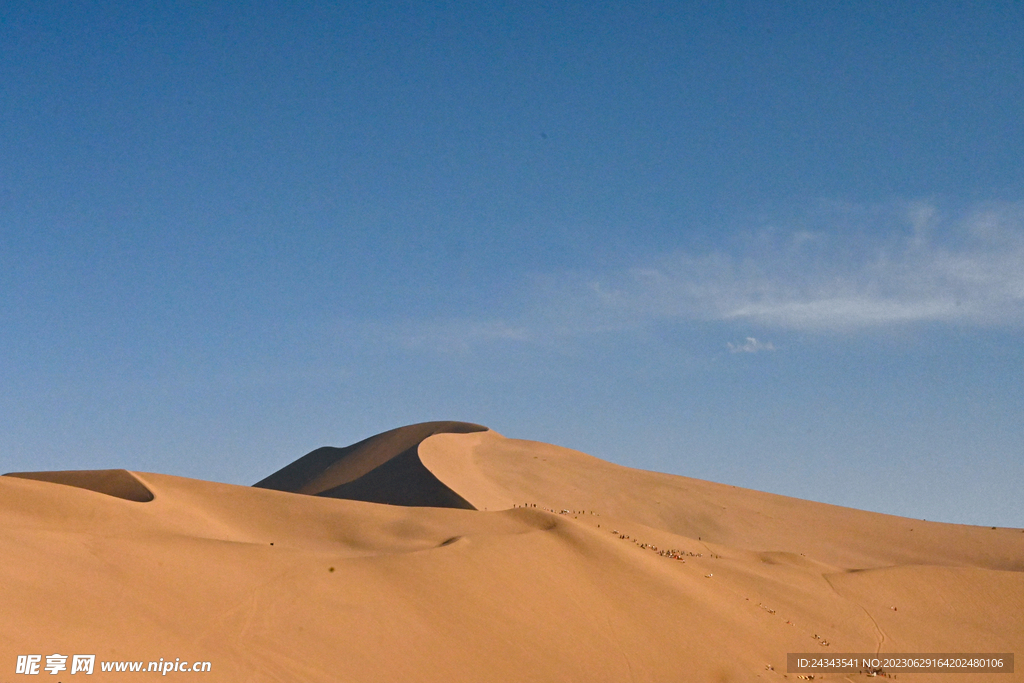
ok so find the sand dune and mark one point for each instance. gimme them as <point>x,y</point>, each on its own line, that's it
<point>117,483</point>
<point>494,560</point>
<point>385,468</point>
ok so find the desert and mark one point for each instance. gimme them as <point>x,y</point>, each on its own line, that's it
<point>445,551</point>
<point>511,342</point>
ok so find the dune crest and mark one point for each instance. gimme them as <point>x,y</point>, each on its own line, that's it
<point>462,465</point>
<point>385,468</point>
<point>117,483</point>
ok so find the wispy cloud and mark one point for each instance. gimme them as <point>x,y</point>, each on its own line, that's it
<point>752,345</point>
<point>838,269</point>
<point>921,269</point>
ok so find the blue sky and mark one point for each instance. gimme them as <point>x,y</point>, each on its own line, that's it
<point>774,245</point>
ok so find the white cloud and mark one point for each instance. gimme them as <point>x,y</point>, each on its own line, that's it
<point>750,346</point>
<point>920,269</point>
<point>844,268</point>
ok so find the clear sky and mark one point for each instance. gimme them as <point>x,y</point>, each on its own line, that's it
<point>776,245</point>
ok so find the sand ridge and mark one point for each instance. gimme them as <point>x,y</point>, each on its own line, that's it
<point>385,468</point>
<point>118,483</point>
<point>493,472</point>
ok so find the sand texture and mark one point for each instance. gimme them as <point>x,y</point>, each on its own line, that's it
<point>447,552</point>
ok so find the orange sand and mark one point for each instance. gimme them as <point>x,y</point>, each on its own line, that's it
<point>310,582</point>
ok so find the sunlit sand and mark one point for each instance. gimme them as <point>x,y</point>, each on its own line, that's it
<point>447,552</point>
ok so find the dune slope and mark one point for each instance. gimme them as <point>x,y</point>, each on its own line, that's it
<point>117,483</point>
<point>385,468</point>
